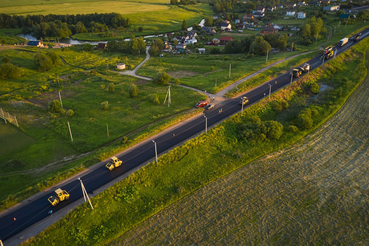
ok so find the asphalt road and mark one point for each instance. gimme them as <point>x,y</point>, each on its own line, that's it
<point>23,217</point>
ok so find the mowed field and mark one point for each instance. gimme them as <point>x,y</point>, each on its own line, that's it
<point>21,7</point>
<point>314,192</point>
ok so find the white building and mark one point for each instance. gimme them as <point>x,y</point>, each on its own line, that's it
<point>301,15</point>
<point>290,12</point>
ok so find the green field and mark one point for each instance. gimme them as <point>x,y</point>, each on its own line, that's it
<point>279,196</point>
<point>12,138</point>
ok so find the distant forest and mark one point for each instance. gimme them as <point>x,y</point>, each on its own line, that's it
<point>62,26</point>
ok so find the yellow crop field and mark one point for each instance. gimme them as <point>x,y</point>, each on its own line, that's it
<point>82,7</point>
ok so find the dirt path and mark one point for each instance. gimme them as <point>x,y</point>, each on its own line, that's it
<point>314,192</point>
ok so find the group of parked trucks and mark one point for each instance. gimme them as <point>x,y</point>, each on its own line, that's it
<point>302,69</point>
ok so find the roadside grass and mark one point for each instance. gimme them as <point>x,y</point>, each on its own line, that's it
<point>197,69</point>
<point>269,74</point>
<point>209,157</point>
<point>12,138</point>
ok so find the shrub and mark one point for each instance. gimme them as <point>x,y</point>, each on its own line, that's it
<point>313,87</point>
<point>155,98</point>
<point>305,121</point>
<point>274,130</point>
<point>54,58</point>
<point>176,81</point>
<point>10,71</point>
<point>111,87</point>
<point>43,63</point>
<point>88,47</point>
<point>133,90</point>
<point>105,105</point>
<point>292,128</point>
<point>6,59</point>
<point>132,66</point>
<point>54,106</point>
<point>62,111</point>
<point>124,140</point>
<point>212,68</point>
<point>70,112</point>
<point>140,29</point>
<point>162,78</point>
<point>102,86</point>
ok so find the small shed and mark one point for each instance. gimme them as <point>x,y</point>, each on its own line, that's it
<point>36,43</point>
<point>101,46</point>
<point>121,66</point>
<point>201,50</point>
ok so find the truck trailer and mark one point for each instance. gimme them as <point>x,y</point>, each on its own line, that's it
<point>343,41</point>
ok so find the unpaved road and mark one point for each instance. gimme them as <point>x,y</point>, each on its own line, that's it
<point>314,192</point>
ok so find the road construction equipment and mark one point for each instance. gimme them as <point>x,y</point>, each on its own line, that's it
<point>115,162</point>
<point>244,100</point>
<point>61,195</point>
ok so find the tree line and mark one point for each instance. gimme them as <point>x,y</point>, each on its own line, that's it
<point>63,25</point>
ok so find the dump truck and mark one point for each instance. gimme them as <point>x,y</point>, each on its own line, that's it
<point>61,195</point>
<point>343,41</point>
<point>327,55</point>
<point>327,50</point>
<point>244,100</point>
<point>305,67</point>
<point>115,162</point>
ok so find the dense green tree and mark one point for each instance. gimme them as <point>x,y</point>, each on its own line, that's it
<point>162,78</point>
<point>208,21</point>
<point>133,90</point>
<point>10,71</point>
<point>55,58</point>
<point>184,25</point>
<point>6,59</point>
<point>80,28</point>
<point>89,47</point>
<point>260,46</point>
<point>54,106</point>
<point>43,62</point>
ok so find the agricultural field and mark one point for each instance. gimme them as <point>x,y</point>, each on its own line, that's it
<point>305,196</point>
<point>313,192</point>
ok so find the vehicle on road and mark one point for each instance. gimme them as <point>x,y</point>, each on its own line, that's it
<point>305,67</point>
<point>327,50</point>
<point>244,100</point>
<point>115,162</point>
<point>327,55</point>
<point>296,72</point>
<point>210,106</point>
<point>343,41</point>
<point>61,195</point>
<point>356,37</point>
<point>201,104</point>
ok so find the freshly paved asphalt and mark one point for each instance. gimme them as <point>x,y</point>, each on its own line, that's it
<point>38,209</point>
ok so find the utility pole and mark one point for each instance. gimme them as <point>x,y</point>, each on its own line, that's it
<point>107,129</point>
<point>61,103</point>
<point>216,82</point>
<point>85,195</point>
<point>292,47</point>
<point>270,90</point>
<point>167,96</point>
<point>316,39</point>
<point>323,60</point>
<point>70,132</point>
<point>206,124</point>
<point>156,152</point>
<point>229,70</point>
<point>291,78</point>
<point>266,59</point>
<point>107,68</point>
<point>242,106</point>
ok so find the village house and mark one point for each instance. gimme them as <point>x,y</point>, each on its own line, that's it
<point>301,3</point>
<point>241,26</point>
<point>36,43</point>
<point>248,17</point>
<point>290,12</point>
<point>201,50</point>
<point>345,17</point>
<point>208,30</point>
<point>225,26</point>
<point>331,8</point>
<point>271,8</point>
<point>293,5</point>
<point>259,14</point>
<point>225,39</point>
<point>268,30</point>
<point>260,9</point>
<point>301,15</point>
<point>121,66</point>
<point>180,46</point>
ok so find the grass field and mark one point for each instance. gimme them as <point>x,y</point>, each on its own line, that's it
<point>218,153</point>
<point>314,192</point>
<point>12,138</point>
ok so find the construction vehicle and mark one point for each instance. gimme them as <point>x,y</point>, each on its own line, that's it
<point>296,72</point>
<point>244,100</point>
<point>61,195</point>
<point>356,37</point>
<point>305,67</point>
<point>343,41</point>
<point>115,162</point>
<point>327,55</point>
<point>327,50</point>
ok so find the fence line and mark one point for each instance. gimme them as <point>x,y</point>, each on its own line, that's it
<point>8,117</point>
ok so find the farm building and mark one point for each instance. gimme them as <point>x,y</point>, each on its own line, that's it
<point>225,25</point>
<point>259,14</point>
<point>225,39</point>
<point>344,16</point>
<point>290,12</point>
<point>269,29</point>
<point>248,17</point>
<point>331,8</point>
<point>36,43</point>
<point>201,50</point>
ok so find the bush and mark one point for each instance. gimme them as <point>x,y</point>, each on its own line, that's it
<point>176,81</point>
<point>140,29</point>
<point>54,58</point>
<point>313,87</point>
<point>6,59</point>
<point>132,66</point>
<point>305,121</point>
<point>54,106</point>
<point>155,98</point>
<point>124,140</point>
<point>133,90</point>
<point>292,128</point>
<point>70,112</point>
<point>162,78</point>
<point>88,47</point>
<point>62,111</point>
<point>10,71</point>
<point>274,130</point>
<point>111,87</point>
<point>105,105</point>
<point>43,63</point>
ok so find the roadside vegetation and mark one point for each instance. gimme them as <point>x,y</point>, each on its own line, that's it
<point>288,116</point>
